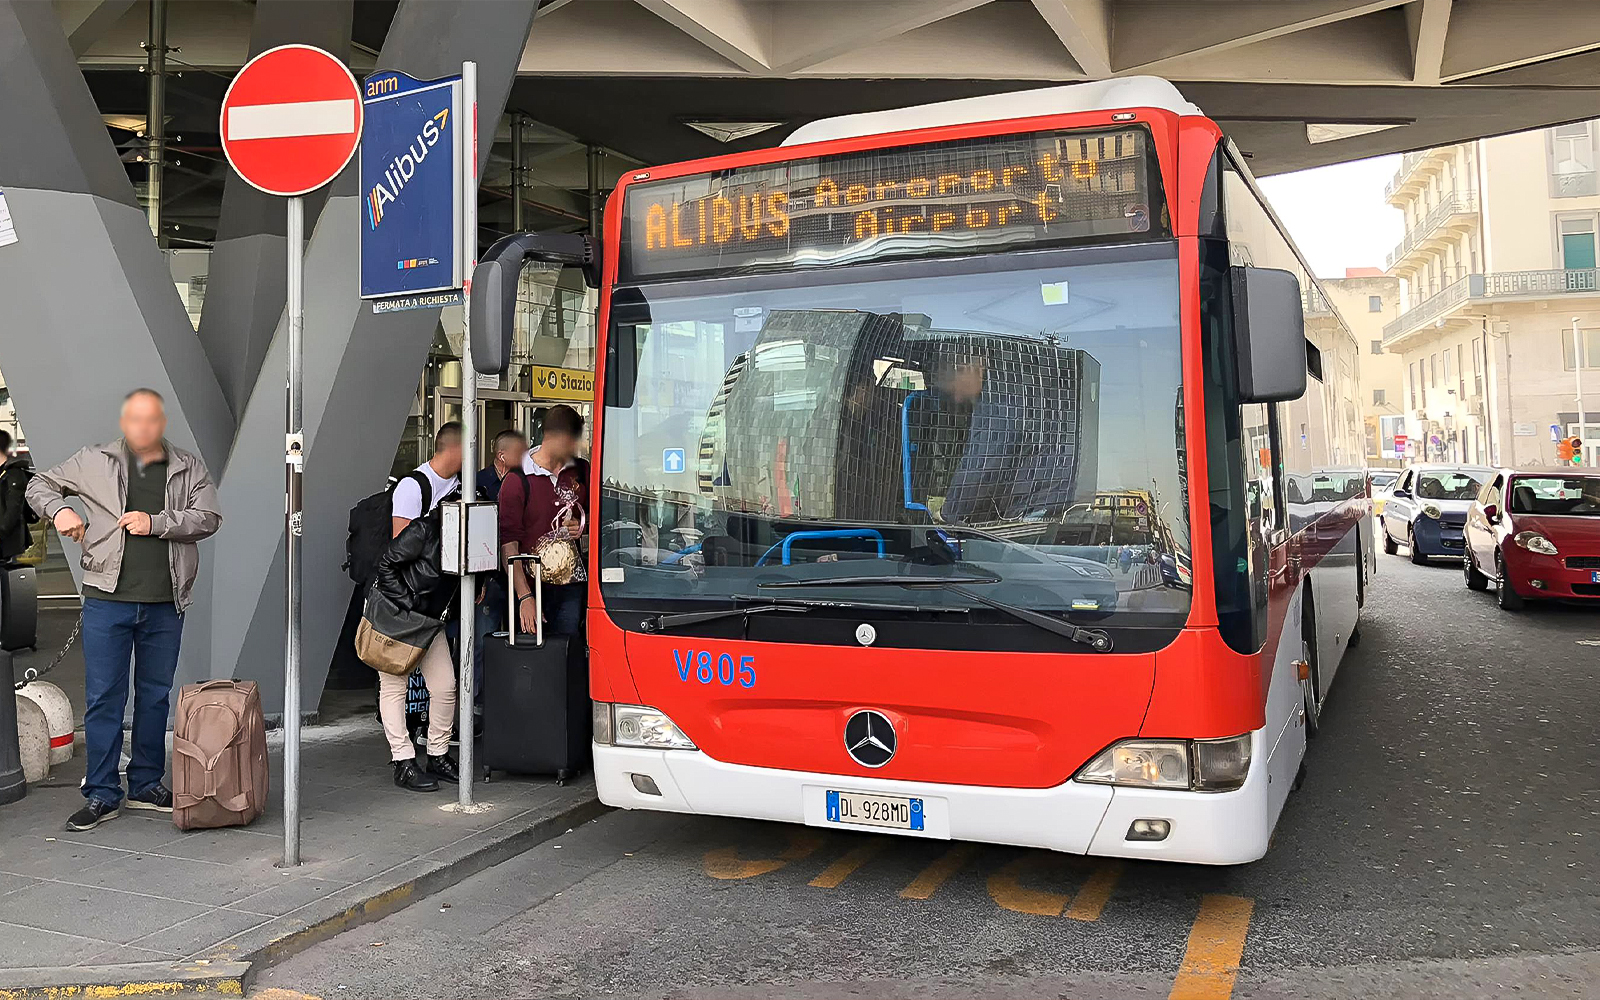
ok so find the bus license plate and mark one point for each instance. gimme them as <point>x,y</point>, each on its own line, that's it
<point>896,812</point>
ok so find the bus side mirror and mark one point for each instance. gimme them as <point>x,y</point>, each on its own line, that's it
<point>493,316</point>
<point>1269,334</point>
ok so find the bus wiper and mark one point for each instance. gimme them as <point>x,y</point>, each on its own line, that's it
<point>1095,639</point>
<point>885,580</point>
<point>663,622</point>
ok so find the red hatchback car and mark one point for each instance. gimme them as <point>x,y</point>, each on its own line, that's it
<point>1536,532</point>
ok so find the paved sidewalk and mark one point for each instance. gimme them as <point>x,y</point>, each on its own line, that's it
<point>138,900</point>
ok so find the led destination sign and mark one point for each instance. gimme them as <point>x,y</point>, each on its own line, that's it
<point>1040,188</point>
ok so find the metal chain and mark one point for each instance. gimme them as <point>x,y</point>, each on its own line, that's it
<point>34,673</point>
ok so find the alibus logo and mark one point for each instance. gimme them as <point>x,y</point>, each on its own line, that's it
<point>399,173</point>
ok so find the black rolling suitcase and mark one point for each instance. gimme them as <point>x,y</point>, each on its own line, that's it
<point>19,607</point>
<point>536,711</point>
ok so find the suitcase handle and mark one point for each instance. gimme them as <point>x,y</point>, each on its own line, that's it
<point>538,599</point>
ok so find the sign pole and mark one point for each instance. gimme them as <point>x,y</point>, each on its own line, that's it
<point>294,466</point>
<point>469,426</point>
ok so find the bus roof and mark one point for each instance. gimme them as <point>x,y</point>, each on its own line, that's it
<point>1101,95</point>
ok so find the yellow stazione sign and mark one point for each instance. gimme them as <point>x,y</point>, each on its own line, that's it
<point>562,383</point>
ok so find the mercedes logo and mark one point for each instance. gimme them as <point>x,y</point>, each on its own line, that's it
<point>869,738</point>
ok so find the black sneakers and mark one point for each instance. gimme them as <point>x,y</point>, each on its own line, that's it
<point>93,813</point>
<point>157,798</point>
<point>443,767</point>
<point>410,777</point>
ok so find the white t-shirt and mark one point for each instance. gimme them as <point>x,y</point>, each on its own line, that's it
<point>407,500</point>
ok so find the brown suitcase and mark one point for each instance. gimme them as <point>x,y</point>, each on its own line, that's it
<point>219,756</point>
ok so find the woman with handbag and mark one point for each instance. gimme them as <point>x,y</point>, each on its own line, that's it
<point>543,511</point>
<point>403,630</point>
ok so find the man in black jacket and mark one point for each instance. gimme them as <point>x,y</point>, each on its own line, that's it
<point>408,574</point>
<point>14,513</point>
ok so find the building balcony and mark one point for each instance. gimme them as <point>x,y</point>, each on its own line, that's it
<point>1409,179</point>
<point>1486,289</point>
<point>1456,214</point>
<point>1314,303</point>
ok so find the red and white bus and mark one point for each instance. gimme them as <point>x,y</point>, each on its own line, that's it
<point>969,472</point>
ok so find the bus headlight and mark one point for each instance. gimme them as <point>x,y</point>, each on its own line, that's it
<point>641,726</point>
<point>1141,764</point>
<point>1187,765</point>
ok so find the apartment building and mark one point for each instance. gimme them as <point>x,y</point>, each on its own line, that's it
<point>1366,299</point>
<point>1498,267</point>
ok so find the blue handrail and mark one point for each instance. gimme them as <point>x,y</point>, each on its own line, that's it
<point>789,540</point>
<point>906,448</point>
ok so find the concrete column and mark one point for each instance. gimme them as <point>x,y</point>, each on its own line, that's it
<point>361,375</point>
<point>91,310</point>
<point>245,286</point>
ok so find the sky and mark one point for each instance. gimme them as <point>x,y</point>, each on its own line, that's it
<point>1337,215</point>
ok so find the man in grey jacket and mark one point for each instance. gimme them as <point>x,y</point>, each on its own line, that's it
<point>148,504</point>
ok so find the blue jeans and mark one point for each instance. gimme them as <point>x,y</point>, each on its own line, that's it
<point>115,632</point>
<point>563,608</point>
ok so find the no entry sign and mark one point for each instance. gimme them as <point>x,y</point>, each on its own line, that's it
<point>291,120</point>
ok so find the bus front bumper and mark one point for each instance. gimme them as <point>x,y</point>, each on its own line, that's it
<point>1077,818</point>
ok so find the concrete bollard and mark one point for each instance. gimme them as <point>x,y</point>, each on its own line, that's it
<point>13,782</point>
<point>57,716</point>
<point>33,740</point>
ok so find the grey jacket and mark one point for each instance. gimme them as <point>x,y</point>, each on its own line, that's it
<point>99,476</point>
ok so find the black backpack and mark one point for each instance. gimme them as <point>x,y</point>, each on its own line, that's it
<point>372,528</point>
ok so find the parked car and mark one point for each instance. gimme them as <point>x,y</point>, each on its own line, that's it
<point>1379,482</point>
<point>1427,507</point>
<point>1536,533</point>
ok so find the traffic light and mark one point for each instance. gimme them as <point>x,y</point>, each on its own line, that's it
<point>1564,450</point>
<point>1575,448</point>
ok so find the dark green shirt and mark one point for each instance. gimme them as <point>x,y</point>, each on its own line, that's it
<point>146,574</point>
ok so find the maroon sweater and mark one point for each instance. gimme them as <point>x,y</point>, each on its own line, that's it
<point>528,503</point>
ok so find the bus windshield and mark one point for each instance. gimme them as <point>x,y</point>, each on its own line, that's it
<point>1014,420</point>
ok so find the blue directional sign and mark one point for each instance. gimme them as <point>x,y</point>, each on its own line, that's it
<point>412,187</point>
<point>672,460</point>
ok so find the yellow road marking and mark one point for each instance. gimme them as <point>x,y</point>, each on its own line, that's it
<point>937,874</point>
<point>845,867</point>
<point>1216,941</point>
<point>1091,899</point>
<point>1006,888</point>
<point>725,863</point>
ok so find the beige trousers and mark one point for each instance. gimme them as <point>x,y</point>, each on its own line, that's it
<point>440,672</point>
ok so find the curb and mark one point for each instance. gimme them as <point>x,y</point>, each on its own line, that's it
<point>140,979</point>
<point>399,897</point>
<point>230,975</point>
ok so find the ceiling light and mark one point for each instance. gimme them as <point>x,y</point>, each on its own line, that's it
<point>730,131</point>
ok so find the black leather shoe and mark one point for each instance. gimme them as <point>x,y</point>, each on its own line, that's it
<point>410,777</point>
<point>93,813</point>
<point>444,768</point>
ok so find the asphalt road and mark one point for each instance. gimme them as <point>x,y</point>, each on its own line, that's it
<point>1445,844</point>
